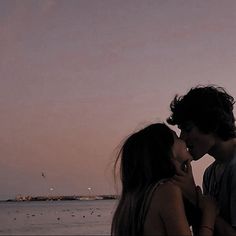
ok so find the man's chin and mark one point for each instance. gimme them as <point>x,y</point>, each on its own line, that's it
<point>195,156</point>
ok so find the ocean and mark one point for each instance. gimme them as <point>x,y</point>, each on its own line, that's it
<point>91,217</point>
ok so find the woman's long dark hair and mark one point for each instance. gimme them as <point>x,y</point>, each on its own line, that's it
<point>145,158</point>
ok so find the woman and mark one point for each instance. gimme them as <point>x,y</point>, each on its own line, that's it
<point>150,204</point>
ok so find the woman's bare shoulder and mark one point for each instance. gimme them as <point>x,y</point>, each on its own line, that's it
<point>166,198</point>
<point>167,192</point>
<point>168,187</point>
<point>167,206</point>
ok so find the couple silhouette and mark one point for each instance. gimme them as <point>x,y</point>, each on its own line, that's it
<point>159,195</point>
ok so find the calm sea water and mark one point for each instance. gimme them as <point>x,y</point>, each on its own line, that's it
<point>56,217</point>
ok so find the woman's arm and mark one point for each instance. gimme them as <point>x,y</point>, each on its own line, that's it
<point>185,181</point>
<point>209,211</point>
<point>172,210</point>
<point>173,215</point>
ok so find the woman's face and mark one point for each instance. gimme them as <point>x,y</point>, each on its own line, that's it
<point>180,151</point>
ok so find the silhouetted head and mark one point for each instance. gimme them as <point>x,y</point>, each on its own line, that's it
<point>210,108</point>
<point>203,114</point>
<point>146,156</point>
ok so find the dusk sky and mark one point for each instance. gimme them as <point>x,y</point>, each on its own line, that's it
<point>77,77</point>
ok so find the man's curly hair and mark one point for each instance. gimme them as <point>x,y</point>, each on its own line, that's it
<point>210,108</point>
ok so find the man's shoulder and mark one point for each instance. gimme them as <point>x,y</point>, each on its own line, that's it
<point>233,160</point>
<point>232,165</point>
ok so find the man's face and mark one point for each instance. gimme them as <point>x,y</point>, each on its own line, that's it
<point>180,152</point>
<point>198,143</point>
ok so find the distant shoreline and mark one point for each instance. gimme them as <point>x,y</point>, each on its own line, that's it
<point>60,198</point>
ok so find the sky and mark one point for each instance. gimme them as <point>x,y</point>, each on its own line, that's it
<point>77,77</point>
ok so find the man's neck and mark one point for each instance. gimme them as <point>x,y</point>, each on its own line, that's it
<point>223,151</point>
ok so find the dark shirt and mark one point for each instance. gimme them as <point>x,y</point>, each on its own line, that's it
<point>219,181</point>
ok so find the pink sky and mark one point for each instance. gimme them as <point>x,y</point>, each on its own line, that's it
<point>79,76</point>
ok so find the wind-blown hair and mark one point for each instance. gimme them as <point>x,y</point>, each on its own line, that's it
<point>145,159</point>
<point>210,108</point>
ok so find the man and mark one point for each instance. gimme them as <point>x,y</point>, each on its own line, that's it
<point>207,123</point>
